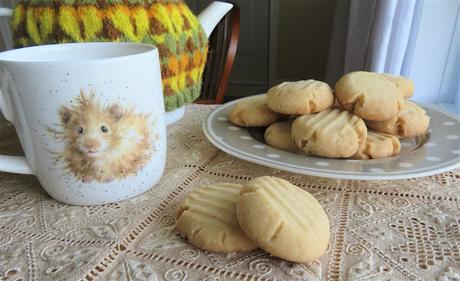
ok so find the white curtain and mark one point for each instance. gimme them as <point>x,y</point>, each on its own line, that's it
<point>415,38</point>
<point>5,31</point>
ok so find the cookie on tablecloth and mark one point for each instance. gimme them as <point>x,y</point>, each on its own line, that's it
<point>283,219</point>
<point>207,218</point>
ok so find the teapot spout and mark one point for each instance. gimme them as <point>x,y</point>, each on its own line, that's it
<point>212,15</point>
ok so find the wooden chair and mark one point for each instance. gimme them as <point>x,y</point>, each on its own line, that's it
<point>223,44</point>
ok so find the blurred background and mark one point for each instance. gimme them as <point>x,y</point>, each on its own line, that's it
<point>279,41</point>
<point>288,40</point>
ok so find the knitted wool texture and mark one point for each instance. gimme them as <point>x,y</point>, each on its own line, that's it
<point>168,24</point>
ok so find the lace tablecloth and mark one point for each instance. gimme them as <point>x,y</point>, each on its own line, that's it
<point>381,230</point>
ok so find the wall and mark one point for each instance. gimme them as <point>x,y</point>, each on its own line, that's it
<point>304,32</point>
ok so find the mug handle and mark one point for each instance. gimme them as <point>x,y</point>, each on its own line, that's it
<point>8,163</point>
<point>6,12</point>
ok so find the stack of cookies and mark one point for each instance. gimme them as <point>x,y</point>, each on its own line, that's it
<point>363,118</point>
<point>267,212</point>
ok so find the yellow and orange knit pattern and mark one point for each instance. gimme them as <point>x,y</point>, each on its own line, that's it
<point>168,24</point>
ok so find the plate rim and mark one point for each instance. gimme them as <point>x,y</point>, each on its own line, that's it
<point>318,171</point>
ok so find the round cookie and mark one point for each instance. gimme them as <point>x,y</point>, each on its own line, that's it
<point>410,122</point>
<point>404,84</point>
<point>331,133</point>
<point>252,112</point>
<point>369,95</point>
<point>283,219</point>
<point>379,145</point>
<point>207,217</point>
<point>278,135</point>
<point>301,97</point>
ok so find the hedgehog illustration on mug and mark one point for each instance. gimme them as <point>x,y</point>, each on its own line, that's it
<point>102,142</point>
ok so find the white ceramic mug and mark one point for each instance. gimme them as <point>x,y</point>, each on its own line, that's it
<point>89,116</point>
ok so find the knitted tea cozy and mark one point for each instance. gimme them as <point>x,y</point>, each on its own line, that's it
<point>168,24</point>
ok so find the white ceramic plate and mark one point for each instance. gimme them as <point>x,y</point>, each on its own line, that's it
<point>437,151</point>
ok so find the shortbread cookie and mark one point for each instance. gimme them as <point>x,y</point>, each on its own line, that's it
<point>379,145</point>
<point>278,135</point>
<point>252,112</point>
<point>410,122</point>
<point>404,84</point>
<point>337,105</point>
<point>283,219</point>
<point>369,95</point>
<point>207,217</point>
<point>301,97</point>
<point>331,133</point>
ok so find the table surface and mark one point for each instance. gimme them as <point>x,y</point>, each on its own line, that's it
<point>380,230</point>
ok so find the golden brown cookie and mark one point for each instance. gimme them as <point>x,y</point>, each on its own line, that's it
<point>283,219</point>
<point>403,83</point>
<point>410,122</point>
<point>252,112</point>
<point>331,133</point>
<point>369,95</point>
<point>301,97</point>
<point>207,217</point>
<point>278,135</point>
<point>379,145</point>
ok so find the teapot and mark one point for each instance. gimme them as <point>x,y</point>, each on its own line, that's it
<point>175,107</point>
